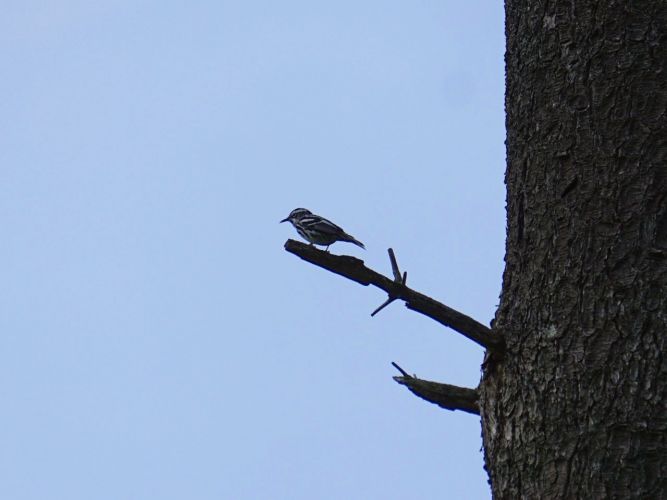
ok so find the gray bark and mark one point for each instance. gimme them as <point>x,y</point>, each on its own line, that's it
<point>576,405</point>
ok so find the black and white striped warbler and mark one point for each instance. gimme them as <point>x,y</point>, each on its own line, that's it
<point>318,230</point>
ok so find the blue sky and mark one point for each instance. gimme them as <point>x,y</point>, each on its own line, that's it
<point>157,341</point>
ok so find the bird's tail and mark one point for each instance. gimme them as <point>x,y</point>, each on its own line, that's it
<point>352,239</point>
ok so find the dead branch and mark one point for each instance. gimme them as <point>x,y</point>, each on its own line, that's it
<point>449,397</point>
<point>355,270</point>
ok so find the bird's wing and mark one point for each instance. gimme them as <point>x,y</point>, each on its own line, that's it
<point>322,225</point>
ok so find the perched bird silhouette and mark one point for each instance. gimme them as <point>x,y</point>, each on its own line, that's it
<point>318,230</point>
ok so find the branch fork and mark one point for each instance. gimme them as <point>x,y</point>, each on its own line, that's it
<point>398,279</point>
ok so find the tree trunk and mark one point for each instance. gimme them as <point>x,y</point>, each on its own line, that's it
<point>576,407</point>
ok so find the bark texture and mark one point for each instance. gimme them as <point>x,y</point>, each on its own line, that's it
<point>577,405</point>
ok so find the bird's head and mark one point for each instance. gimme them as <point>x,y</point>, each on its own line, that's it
<point>296,214</point>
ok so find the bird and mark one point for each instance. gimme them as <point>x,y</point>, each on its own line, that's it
<point>318,230</point>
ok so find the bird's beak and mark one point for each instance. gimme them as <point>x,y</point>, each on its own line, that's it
<point>284,220</point>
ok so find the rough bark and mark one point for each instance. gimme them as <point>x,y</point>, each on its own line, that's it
<point>576,407</point>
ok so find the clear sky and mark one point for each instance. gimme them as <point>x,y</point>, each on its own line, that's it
<point>156,340</point>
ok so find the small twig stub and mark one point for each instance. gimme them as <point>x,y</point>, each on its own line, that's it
<point>450,397</point>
